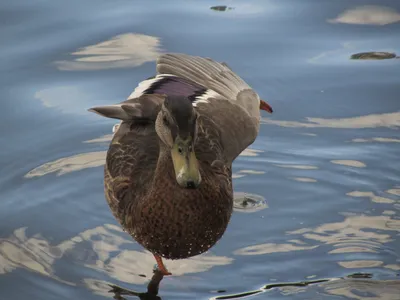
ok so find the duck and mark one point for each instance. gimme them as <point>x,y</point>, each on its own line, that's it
<point>168,169</point>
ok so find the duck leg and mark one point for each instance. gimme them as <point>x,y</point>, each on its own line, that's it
<point>160,266</point>
<point>152,289</point>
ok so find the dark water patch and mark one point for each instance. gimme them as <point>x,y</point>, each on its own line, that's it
<point>245,202</point>
<point>221,8</point>
<point>374,55</point>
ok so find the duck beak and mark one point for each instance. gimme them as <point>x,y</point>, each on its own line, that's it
<point>265,106</point>
<point>185,164</point>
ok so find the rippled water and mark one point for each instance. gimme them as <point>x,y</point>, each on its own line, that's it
<point>326,162</point>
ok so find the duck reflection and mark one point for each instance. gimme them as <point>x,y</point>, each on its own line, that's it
<point>152,289</point>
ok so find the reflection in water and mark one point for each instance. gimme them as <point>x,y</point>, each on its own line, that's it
<point>373,55</point>
<point>376,139</point>
<point>252,172</point>
<point>349,163</point>
<point>286,288</point>
<point>395,191</point>
<point>355,228</point>
<point>352,249</point>
<point>363,289</point>
<point>105,289</point>
<point>243,173</point>
<point>122,51</point>
<point>103,139</point>
<point>388,212</point>
<point>31,253</point>
<point>221,8</point>
<point>393,267</point>
<point>243,9</point>
<point>69,164</point>
<point>368,121</point>
<point>368,15</point>
<point>271,248</point>
<point>355,264</point>
<point>371,195</point>
<point>60,97</point>
<point>357,233</point>
<point>354,286</point>
<point>301,167</point>
<point>152,289</point>
<point>304,179</point>
<point>308,134</point>
<point>95,249</point>
<point>251,152</point>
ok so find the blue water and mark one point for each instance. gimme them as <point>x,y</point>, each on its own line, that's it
<point>326,162</point>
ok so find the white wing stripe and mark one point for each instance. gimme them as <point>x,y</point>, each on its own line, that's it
<point>204,98</point>
<point>145,84</point>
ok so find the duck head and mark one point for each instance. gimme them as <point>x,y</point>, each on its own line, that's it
<point>177,129</point>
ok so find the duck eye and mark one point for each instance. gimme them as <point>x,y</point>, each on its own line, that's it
<point>165,120</point>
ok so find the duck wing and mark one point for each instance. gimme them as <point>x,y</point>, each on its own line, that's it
<point>133,152</point>
<point>220,96</point>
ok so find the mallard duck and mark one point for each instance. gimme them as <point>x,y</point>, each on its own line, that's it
<point>168,171</point>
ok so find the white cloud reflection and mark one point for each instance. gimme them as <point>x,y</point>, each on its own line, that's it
<point>304,179</point>
<point>104,139</point>
<point>122,51</point>
<point>70,164</point>
<point>370,195</point>
<point>105,249</point>
<point>390,120</point>
<point>376,139</point>
<point>361,289</point>
<point>349,163</point>
<point>271,248</point>
<point>368,15</point>
<point>63,98</point>
<point>300,167</point>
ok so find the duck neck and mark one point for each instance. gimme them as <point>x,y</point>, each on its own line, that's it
<point>164,169</point>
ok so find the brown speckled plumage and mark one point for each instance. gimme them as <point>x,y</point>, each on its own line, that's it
<point>140,184</point>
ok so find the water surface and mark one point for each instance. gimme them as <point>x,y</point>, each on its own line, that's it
<point>326,162</point>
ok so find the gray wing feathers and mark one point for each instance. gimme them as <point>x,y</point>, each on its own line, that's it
<point>210,74</point>
<point>143,107</point>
